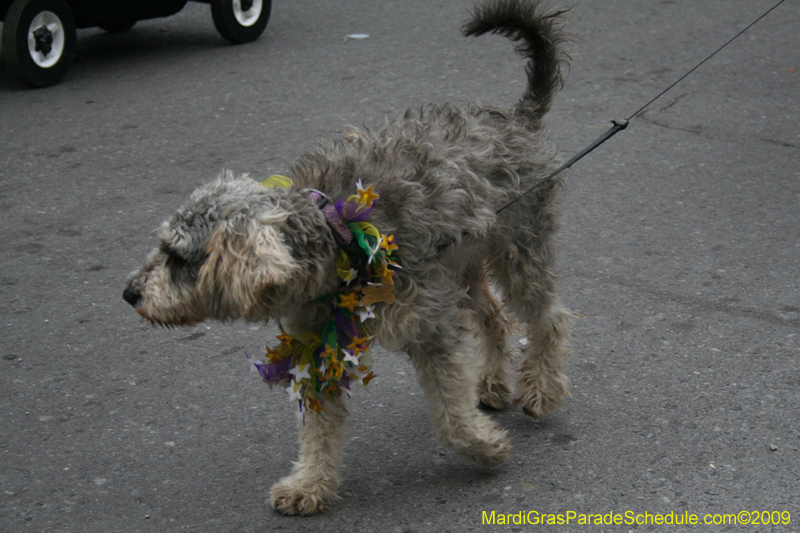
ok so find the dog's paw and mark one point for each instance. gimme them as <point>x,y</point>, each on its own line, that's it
<point>542,396</point>
<point>491,450</point>
<point>293,496</point>
<point>491,455</point>
<point>494,393</point>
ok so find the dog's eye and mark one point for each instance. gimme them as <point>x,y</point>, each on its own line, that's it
<point>164,248</point>
<point>182,272</point>
<point>176,261</point>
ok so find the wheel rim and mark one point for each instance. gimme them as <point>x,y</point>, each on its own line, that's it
<point>247,12</point>
<point>46,39</point>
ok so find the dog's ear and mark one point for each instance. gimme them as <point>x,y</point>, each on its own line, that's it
<point>183,240</point>
<point>244,257</point>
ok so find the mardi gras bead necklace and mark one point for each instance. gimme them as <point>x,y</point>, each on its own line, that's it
<point>316,368</point>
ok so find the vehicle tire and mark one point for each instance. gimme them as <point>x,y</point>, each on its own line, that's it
<point>241,21</point>
<point>117,26</point>
<point>39,39</point>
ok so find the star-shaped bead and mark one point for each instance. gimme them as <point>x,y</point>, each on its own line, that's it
<point>367,197</point>
<point>335,372</point>
<point>293,390</point>
<point>349,300</point>
<point>387,243</point>
<point>359,374</point>
<point>386,275</point>
<point>254,363</point>
<point>285,338</point>
<point>300,372</point>
<point>367,312</point>
<point>357,345</point>
<point>273,355</point>
<point>314,405</point>
<point>351,358</point>
<point>329,353</point>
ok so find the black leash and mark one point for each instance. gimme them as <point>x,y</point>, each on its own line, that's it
<point>620,125</point>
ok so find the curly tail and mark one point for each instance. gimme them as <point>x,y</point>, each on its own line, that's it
<point>538,31</point>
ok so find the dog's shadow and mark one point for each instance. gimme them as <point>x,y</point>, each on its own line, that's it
<point>435,475</point>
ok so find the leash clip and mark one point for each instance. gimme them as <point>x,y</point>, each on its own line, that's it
<point>620,123</point>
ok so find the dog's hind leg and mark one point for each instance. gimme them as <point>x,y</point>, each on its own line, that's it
<point>492,331</point>
<point>542,381</point>
<point>311,487</point>
<point>530,292</point>
<point>447,377</point>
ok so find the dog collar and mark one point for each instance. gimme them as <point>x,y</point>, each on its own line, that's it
<point>342,233</point>
<point>337,224</point>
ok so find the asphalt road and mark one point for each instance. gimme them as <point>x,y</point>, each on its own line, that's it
<point>680,250</point>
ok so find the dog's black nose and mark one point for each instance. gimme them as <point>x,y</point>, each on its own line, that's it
<point>131,297</point>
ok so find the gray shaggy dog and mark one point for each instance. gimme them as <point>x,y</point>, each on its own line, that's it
<point>240,250</point>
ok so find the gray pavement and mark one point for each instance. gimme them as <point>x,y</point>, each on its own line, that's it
<point>680,250</point>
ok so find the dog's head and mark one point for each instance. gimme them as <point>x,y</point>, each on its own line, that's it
<point>234,250</point>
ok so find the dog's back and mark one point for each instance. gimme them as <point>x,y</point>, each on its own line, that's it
<point>457,164</point>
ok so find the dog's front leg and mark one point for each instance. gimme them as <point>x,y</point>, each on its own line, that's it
<point>311,487</point>
<point>451,389</point>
